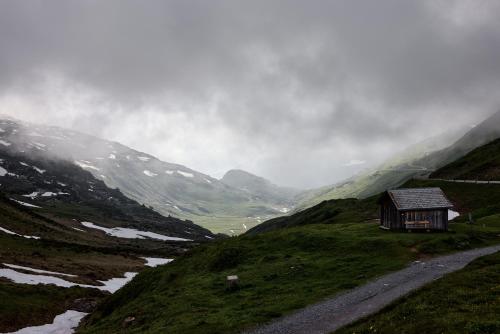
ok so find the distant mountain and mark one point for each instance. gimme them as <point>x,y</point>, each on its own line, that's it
<point>170,189</point>
<point>280,197</point>
<point>395,171</point>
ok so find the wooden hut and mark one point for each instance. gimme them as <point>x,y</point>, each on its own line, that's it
<point>414,209</point>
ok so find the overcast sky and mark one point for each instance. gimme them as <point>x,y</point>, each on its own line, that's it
<point>305,93</point>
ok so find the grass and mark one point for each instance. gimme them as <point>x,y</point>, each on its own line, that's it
<point>312,255</point>
<point>280,271</point>
<point>467,301</point>
<point>480,164</point>
<point>36,305</point>
<point>480,200</point>
<point>328,212</point>
<point>89,264</point>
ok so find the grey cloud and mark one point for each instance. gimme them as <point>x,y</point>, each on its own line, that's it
<point>279,80</point>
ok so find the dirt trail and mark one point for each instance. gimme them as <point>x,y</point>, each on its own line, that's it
<point>329,315</point>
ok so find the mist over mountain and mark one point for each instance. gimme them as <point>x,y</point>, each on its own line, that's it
<point>171,189</point>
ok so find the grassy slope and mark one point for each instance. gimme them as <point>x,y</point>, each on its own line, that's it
<point>482,163</point>
<point>467,301</point>
<point>281,270</point>
<point>327,212</point>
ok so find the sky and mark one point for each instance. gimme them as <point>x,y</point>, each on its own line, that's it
<point>305,93</point>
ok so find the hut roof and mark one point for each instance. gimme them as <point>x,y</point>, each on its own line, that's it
<point>419,198</point>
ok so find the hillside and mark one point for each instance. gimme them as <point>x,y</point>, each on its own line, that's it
<point>482,163</point>
<point>59,189</point>
<point>395,171</point>
<point>297,263</point>
<point>170,189</point>
<point>59,224</point>
<point>31,240</point>
<point>417,161</point>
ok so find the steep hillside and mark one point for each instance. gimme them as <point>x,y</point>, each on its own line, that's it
<point>30,241</point>
<point>170,189</point>
<point>60,189</point>
<point>482,134</point>
<point>60,225</point>
<point>417,161</point>
<point>482,163</point>
<point>392,173</point>
<point>281,198</point>
<point>299,262</point>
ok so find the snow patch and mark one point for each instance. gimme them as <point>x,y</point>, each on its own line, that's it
<point>40,271</point>
<point>23,164</point>
<point>85,165</point>
<point>5,143</point>
<point>19,235</point>
<point>111,285</point>
<point>145,159</point>
<point>39,170</point>
<point>129,233</point>
<point>114,284</point>
<point>149,173</point>
<point>33,195</point>
<point>185,174</point>
<point>112,156</point>
<point>50,194</point>
<point>3,171</point>
<point>452,214</point>
<point>64,323</point>
<point>26,204</point>
<point>169,172</point>
<point>156,261</point>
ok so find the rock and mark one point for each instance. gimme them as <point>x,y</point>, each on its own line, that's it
<point>86,305</point>
<point>128,321</point>
<point>232,282</point>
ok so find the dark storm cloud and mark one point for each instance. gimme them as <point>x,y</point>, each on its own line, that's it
<point>273,76</point>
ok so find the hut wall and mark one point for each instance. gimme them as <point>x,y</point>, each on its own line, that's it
<point>389,215</point>
<point>438,219</point>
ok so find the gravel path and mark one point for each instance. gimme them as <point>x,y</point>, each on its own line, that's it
<point>329,315</point>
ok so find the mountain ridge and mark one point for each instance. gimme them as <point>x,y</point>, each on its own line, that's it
<point>171,189</point>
